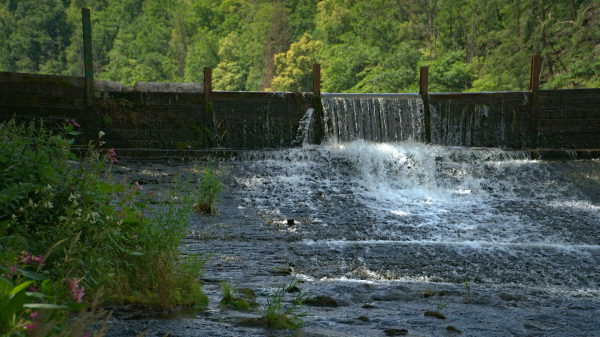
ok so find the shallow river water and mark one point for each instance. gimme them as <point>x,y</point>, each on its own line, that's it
<point>389,231</point>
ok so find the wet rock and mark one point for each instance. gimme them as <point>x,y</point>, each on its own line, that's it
<point>435,314</point>
<point>282,271</point>
<point>450,328</point>
<point>322,301</point>
<point>254,322</point>
<point>511,297</point>
<point>395,332</point>
<point>364,318</point>
<point>449,293</point>
<point>427,293</point>
<point>293,289</point>
<point>368,306</point>
<point>389,296</point>
<point>290,222</point>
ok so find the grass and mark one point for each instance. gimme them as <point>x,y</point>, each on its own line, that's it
<point>230,300</point>
<point>209,188</point>
<point>276,316</point>
<point>467,291</point>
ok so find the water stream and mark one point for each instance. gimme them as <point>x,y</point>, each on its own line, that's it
<point>380,219</point>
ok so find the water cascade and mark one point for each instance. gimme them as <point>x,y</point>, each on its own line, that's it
<point>373,117</point>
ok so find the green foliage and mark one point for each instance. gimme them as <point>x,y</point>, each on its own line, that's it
<point>294,68</point>
<point>441,305</point>
<point>209,188</point>
<point>363,46</point>
<point>467,293</point>
<point>231,300</point>
<point>125,245</point>
<point>276,316</point>
<point>32,304</point>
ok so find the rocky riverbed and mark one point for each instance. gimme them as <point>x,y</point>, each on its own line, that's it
<point>382,235</point>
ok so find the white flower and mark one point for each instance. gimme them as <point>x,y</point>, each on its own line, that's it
<point>119,222</point>
<point>78,212</point>
<point>34,205</point>
<point>108,217</point>
<point>48,187</point>
<point>62,218</point>
<point>14,217</point>
<point>30,203</point>
<point>48,204</point>
<point>101,134</point>
<point>75,203</point>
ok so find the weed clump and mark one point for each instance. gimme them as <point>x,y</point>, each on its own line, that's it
<point>234,302</point>
<point>209,188</point>
<point>276,316</point>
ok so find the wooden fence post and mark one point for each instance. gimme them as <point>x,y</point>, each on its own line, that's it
<point>208,107</point>
<point>87,56</point>
<point>534,88</point>
<point>424,92</point>
<point>318,129</point>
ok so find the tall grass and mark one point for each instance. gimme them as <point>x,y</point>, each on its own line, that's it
<point>209,188</point>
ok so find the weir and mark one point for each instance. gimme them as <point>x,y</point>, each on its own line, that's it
<point>373,117</point>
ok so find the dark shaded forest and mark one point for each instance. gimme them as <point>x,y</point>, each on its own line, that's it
<point>270,45</point>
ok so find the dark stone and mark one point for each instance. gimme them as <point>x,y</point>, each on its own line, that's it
<point>282,271</point>
<point>322,301</point>
<point>510,297</point>
<point>435,314</point>
<point>395,332</point>
<point>290,222</point>
<point>428,293</point>
<point>364,318</point>
<point>293,289</point>
<point>368,306</point>
<point>452,329</point>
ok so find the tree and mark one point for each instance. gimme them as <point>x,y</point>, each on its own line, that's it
<point>294,68</point>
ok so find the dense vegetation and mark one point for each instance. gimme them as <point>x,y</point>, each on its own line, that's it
<point>363,45</point>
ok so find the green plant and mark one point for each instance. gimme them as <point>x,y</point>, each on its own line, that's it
<point>31,304</point>
<point>467,290</point>
<point>128,241</point>
<point>276,316</point>
<point>209,188</point>
<point>441,305</point>
<point>232,301</point>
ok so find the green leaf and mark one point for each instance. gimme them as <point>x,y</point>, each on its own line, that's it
<point>35,294</point>
<point>74,133</point>
<point>44,306</point>
<point>137,253</point>
<point>20,287</point>
<point>77,306</point>
<point>31,275</point>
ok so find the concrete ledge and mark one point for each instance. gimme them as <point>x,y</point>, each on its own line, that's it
<point>168,87</point>
<point>563,154</point>
<point>108,86</point>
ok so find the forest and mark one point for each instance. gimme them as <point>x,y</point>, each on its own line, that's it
<point>363,46</point>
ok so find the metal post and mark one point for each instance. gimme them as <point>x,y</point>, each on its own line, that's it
<point>318,129</point>
<point>424,92</point>
<point>87,55</point>
<point>534,88</point>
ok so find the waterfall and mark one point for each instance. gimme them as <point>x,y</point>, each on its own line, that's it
<point>373,117</point>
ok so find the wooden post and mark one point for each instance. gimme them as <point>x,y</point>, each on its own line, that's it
<point>534,88</point>
<point>318,129</point>
<point>87,55</point>
<point>208,108</point>
<point>424,92</point>
<point>317,80</point>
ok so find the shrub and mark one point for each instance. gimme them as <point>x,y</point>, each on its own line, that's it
<point>209,188</point>
<point>127,244</point>
<point>277,317</point>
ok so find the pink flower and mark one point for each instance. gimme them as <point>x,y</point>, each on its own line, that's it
<point>76,291</point>
<point>135,236</point>
<point>13,269</point>
<point>86,335</point>
<point>27,258</point>
<point>33,315</point>
<point>38,259</point>
<point>138,185</point>
<point>32,326</point>
<point>111,156</point>
<point>75,123</point>
<point>33,289</point>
